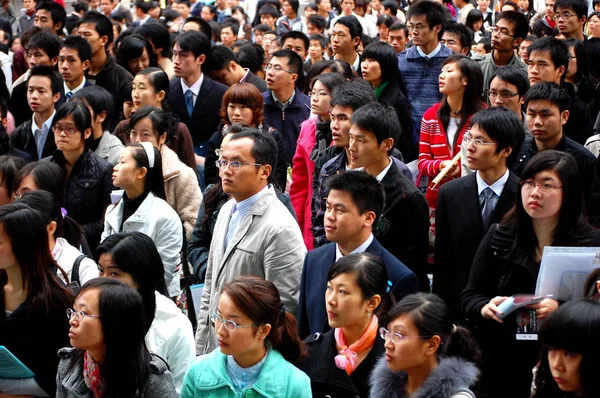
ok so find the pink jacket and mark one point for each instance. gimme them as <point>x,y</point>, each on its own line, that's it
<point>302,178</point>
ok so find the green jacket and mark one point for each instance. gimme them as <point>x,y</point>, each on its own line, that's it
<point>207,378</point>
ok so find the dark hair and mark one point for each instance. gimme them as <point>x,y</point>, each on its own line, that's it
<point>133,47</point>
<point>49,209</point>
<point>81,45</point>
<point>260,301</point>
<point>354,94</point>
<point>154,177</point>
<point>432,317</point>
<point>56,83</point>
<point>293,34</point>
<point>504,127</point>
<point>233,25</point>
<point>557,49</point>
<point>220,58</point>
<point>385,20</point>
<point>475,15</point>
<point>159,81</point>
<point>580,7</point>
<point>136,254</point>
<point>590,288</point>
<point>547,91</point>
<point>353,25</point>
<point>102,25</point>
<point>264,148</point>
<point>215,29</point>
<point>264,28</point>
<point>295,4</point>
<point>81,6</point>
<point>515,76</point>
<point>81,116</point>
<point>246,94</point>
<point>329,80</point>
<point>371,278</point>
<point>268,9</point>
<point>390,5</point>
<point>387,59</point>
<point>184,2</point>
<point>399,26</point>
<point>519,21</point>
<point>487,47</point>
<point>99,100</point>
<point>364,189</point>
<point>47,176</point>
<point>29,242</point>
<point>318,21</point>
<point>293,59</point>
<point>366,40</point>
<point>57,12</point>
<point>583,75</point>
<point>379,119</point>
<point>119,17</point>
<point>146,6</point>
<point>9,169</point>
<point>464,34</point>
<point>158,34</point>
<point>472,95</point>
<point>29,34</point>
<point>434,12</point>
<point>161,122</point>
<point>320,38</point>
<point>126,367</point>
<point>334,66</point>
<point>572,224</point>
<point>205,26</point>
<point>511,4</point>
<point>195,42</point>
<point>251,56</point>
<point>573,327</point>
<point>47,42</point>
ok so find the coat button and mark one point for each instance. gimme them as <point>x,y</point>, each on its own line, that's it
<point>327,396</point>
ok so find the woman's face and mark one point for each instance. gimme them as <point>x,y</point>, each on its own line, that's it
<point>539,204</point>
<point>108,269</point>
<point>412,351</point>
<point>138,64</point>
<point>86,334</point>
<point>345,304</point>
<point>320,100</point>
<point>206,14</point>
<point>572,70</point>
<point>16,45</point>
<point>5,196</point>
<point>477,25</point>
<point>68,137</point>
<point>371,71</point>
<point>238,16</point>
<point>565,369</point>
<point>144,94</point>
<point>594,26</point>
<point>7,257</point>
<point>523,5</point>
<point>143,131</point>
<point>239,113</point>
<point>451,80</point>
<point>27,184</point>
<point>126,173</point>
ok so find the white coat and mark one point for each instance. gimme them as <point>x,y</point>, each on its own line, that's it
<point>88,269</point>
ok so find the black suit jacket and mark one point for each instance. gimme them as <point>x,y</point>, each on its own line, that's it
<point>22,139</point>
<point>459,230</point>
<point>257,82</point>
<point>205,116</point>
<point>312,315</point>
<point>63,97</point>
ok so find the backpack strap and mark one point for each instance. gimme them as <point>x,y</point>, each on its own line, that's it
<point>75,271</point>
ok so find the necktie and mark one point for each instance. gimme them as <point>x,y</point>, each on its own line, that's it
<point>189,102</point>
<point>69,95</point>
<point>486,200</point>
<point>233,222</point>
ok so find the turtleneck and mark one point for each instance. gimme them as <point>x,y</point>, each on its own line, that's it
<point>130,206</point>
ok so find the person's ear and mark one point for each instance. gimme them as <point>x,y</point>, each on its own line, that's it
<point>370,218</point>
<point>265,171</point>
<point>51,228</point>
<point>142,172</point>
<point>85,64</point>
<point>201,59</point>
<point>387,145</point>
<point>356,41</point>
<point>294,77</point>
<point>87,133</point>
<point>561,70</point>
<point>53,61</point>
<point>56,97</point>
<point>264,331</point>
<point>598,286</point>
<point>101,117</point>
<point>162,139</point>
<point>564,116</point>
<point>433,344</point>
<point>506,152</point>
<point>103,40</point>
<point>232,66</point>
<point>160,96</point>
<point>517,42</point>
<point>521,99</point>
<point>373,303</point>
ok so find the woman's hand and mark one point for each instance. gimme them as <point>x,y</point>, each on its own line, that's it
<point>491,311</point>
<point>544,308</point>
<point>454,170</point>
<point>199,162</point>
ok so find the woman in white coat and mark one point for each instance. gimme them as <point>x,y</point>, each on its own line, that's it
<point>143,208</point>
<point>132,258</point>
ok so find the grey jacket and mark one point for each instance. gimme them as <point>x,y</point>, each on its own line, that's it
<point>109,148</point>
<point>267,244</point>
<point>70,382</point>
<point>451,379</point>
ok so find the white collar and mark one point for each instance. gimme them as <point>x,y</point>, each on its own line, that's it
<point>355,65</point>
<point>46,125</point>
<point>497,186</point>
<point>195,87</point>
<point>431,54</point>
<point>76,89</point>
<point>381,175</point>
<point>360,249</point>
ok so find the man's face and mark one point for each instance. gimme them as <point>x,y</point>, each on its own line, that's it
<point>502,37</point>
<point>324,5</point>
<point>266,41</point>
<point>421,33</point>
<point>28,5</point>
<point>341,41</point>
<point>88,31</point>
<point>185,63</point>
<point>225,76</point>
<point>315,50</point>
<point>483,157</point>
<point>296,45</point>
<point>364,148</point>
<point>267,20</point>
<point>452,41</point>
<point>287,9</point>
<point>39,94</point>
<point>568,23</point>
<point>37,56</point>
<point>549,8</point>
<point>246,181</point>
<point>184,10</point>
<point>347,7</point>
<point>258,37</point>
<point>227,37</point>
<point>523,52</point>
<point>384,32</point>
<point>397,39</point>
<point>505,95</point>
<point>542,69</point>
<point>43,19</point>
<point>545,120</point>
<point>106,6</point>
<point>277,76</point>
<point>340,124</point>
<point>70,66</point>
<point>311,29</point>
<point>190,26</point>
<point>483,5</point>
<point>343,220</point>
<point>308,11</point>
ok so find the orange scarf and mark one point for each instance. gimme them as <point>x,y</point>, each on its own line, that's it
<point>347,355</point>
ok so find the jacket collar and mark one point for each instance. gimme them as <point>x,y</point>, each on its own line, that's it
<point>268,96</point>
<point>114,215</point>
<point>170,163</point>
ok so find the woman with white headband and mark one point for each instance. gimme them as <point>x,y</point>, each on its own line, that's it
<point>143,207</point>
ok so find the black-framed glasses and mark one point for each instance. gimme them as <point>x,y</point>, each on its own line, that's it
<point>277,68</point>
<point>468,138</point>
<point>563,15</point>
<point>500,31</point>
<point>229,324</point>
<point>79,315</point>
<point>544,187</point>
<point>396,337</point>
<point>505,94</point>
<point>234,164</point>
<point>68,130</point>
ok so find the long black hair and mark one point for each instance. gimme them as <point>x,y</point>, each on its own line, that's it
<point>154,176</point>
<point>47,176</point>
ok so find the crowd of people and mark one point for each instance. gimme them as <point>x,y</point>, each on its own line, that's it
<point>355,187</point>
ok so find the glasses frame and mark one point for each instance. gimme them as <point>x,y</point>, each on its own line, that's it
<point>387,335</point>
<point>495,29</point>
<point>216,318</point>
<point>563,15</point>
<point>79,315</point>
<point>58,130</point>
<point>234,164</point>
<point>277,68</point>
<point>468,138</point>
<point>504,94</point>
<point>532,185</point>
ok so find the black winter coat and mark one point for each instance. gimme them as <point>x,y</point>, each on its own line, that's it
<point>87,192</point>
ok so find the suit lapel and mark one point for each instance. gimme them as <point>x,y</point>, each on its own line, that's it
<point>507,199</point>
<point>203,97</point>
<point>328,261</point>
<point>470,198</point>
<point>179,102</point>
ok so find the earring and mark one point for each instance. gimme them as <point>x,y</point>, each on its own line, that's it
<point>368,314</point>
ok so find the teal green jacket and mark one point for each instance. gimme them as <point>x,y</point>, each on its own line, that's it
<point>207,378</point>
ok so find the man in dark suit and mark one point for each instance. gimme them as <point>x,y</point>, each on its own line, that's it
<point>223,66</point>
<point>468,206</point>
<point>193,96</point>
<point>354,205</point>
<point>73,60</point>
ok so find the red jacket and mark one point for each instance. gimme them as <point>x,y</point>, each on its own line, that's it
<point>302,178</point>
<point>434,149</point>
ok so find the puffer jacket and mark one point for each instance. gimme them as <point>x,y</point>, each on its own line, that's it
<point>87,192</point>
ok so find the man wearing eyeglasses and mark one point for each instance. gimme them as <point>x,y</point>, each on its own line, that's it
<point>508,87</point>
<point>511,29</point>
<point>570,17</point>
<point>467,206</point>
<point>254,234</point>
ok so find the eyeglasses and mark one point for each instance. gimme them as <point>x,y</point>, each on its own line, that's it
<point>318,94</point>
<point>563,15</point>
<point>500,32</point>
<point>68,130</point>
<point>505,95</point>
<point>416,28</point>
<point>78,315</point>
<point>229,325</point>
<point>396,337</point>
<point>544,187</point>
<point>235,165</point>
<point>277,68</point>
<point>468,138</point>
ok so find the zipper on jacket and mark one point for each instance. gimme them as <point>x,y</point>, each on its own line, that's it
<point>282,115</point>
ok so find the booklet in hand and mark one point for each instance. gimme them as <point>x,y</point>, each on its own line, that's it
<point>11,367</point>
<point>518,301</point>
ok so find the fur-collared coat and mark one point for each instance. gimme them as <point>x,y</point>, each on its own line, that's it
<point>451,379</point>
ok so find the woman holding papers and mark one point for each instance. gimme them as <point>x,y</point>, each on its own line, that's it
<point>548,212</point>
<point>33,325</point>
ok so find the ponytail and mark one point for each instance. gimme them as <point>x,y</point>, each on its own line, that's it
<point>284,337</point>
<point>461,343</point>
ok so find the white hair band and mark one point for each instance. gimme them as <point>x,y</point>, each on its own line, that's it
<point>149,148</point>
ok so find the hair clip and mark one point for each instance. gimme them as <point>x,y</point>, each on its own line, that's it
<point>63,212</point>
<point>389,284</point>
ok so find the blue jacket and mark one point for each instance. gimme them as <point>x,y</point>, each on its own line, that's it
<point>287,122</point>
<point>420,78</point>
<point>278,378</point>
<point>312,316</point>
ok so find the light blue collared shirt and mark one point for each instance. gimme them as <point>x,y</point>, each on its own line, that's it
<point>241,210</point>
<point>243,378</point>
<point>41,133</point>
<point>497,187</point>
<point>360,249</point>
